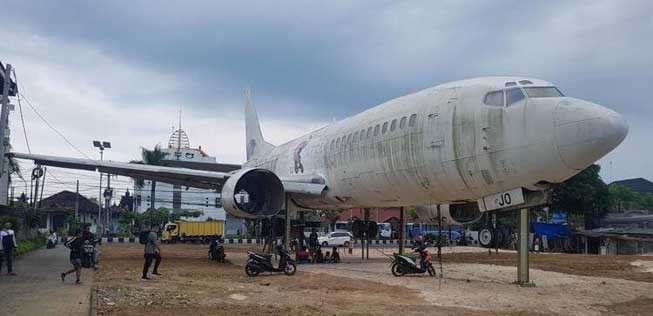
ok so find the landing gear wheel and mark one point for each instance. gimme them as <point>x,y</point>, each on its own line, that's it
<point>396,270</point>
<point>251,272</point>
<point>486,238</point>
<point>431,270</point>
<point>290,269</point>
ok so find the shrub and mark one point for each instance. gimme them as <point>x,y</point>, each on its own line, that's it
<point>27,245</point>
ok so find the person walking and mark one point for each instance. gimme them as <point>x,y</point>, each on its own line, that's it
<point>76,245</point>
<point>7,247</point>
<point>152,252</point>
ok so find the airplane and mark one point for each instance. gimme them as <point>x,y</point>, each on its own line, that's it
<point>478,145</point>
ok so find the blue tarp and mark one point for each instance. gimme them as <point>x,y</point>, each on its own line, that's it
<point>552,231</point>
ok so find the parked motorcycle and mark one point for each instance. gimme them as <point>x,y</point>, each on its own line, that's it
<point>402,264</point>
<point>262,262</point>
<point>52,241</point>
<point>216,250</point>
<point>88,255</point>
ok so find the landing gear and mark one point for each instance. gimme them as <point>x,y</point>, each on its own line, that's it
<point>486,237</point>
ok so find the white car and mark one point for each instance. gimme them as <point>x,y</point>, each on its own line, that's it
<point>342,238</point>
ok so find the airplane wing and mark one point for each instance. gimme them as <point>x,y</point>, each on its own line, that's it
<point>181,176</point>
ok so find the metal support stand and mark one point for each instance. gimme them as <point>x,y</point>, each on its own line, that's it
<point>402,230</point>
<point>522,267</point>
<point>367,234</point>
<point>286,241</point>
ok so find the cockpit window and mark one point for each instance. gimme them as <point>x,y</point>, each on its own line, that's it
<point>511,84</point>
<point>494,98</point>
<point>513,96</point>
<point>525,82</point>
<point>543,92</point>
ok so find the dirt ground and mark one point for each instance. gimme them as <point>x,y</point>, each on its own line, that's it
<point>473,283</point>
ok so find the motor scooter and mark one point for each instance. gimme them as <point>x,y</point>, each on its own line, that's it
<point>402,265</point>
<point>88,254</point>
<point>262,262</point>
<point>216,250</point>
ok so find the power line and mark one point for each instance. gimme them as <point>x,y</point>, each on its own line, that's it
<point>22,119</point>
<point>50,125</point>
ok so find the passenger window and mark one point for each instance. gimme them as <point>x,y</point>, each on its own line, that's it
<point>412,120</point>
<point>356,136</point>
<point>494,98</point>
<point>402,123</point>
<point>385,128</point>
<point>369,132</point>
<point>513,96</point>
<point>349,139</point>
<point>393,125</point>
<point>376,130</point>
<point>338,143</point>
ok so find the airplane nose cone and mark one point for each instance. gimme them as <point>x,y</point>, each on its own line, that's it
<point>585,132</point>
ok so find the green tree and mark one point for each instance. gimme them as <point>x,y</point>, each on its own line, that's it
<point>646,201</point>
<point>583,194</point>
<point>152,157</point>
<point>623,198</point>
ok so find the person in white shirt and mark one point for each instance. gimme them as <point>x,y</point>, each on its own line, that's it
<point>7,247</point>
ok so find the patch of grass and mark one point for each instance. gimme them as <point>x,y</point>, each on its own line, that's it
<point>25,246</point>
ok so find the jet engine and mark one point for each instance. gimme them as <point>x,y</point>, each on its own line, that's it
<point>452,214</point>
<point>252,193</point>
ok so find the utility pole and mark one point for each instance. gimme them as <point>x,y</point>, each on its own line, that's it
<point>77,201</point>
<point>152,199</point>
<point>45,169</point>
<point>4,122</point>
<point>108,193</point>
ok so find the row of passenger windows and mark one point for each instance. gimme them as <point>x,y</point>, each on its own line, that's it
<point>374,131</point>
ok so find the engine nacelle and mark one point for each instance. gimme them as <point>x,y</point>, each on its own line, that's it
<point>253,193</point>
<point>452,214</point>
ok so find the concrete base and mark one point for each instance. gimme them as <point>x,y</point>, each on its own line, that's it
<point>527,284</point>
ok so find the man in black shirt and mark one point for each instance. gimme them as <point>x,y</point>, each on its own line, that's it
<point>76,245</point>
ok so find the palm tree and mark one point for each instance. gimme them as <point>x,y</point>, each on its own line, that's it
<point>153,157</point>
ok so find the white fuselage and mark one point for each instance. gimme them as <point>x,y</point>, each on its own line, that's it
<point>445,144</point>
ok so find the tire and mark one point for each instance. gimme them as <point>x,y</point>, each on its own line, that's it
<point>486,238</point>
<point>250,270</point>
<point>290,269</point>
<point>396,270</point>
<point>346,244</point>
<point>325,244</point>
<point>431,270</point>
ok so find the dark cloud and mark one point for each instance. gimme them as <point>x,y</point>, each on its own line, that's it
<point>334,59</point>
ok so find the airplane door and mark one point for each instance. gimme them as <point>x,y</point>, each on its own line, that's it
<point>440,146</point>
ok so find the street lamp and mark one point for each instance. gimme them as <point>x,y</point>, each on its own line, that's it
<point>102,145</point>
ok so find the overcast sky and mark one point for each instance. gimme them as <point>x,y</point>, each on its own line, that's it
<point>119,71</point>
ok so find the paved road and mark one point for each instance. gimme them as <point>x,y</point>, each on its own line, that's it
<point>37,290</point>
